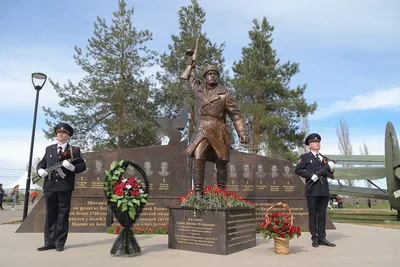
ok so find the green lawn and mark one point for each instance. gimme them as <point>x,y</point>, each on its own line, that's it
<point>365,206</point>
<point>380,217</point>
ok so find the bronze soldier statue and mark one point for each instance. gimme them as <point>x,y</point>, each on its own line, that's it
<point>210,140</point>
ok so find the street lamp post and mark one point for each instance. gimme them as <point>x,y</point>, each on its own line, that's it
<point>38,76</point>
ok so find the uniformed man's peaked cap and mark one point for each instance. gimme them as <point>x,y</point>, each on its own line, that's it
<point>64,127</point>
<point>209,68</point>
<point>312,138</point>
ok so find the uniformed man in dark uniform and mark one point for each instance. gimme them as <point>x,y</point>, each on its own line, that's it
<point>316,188</point>
<point>58,186</point>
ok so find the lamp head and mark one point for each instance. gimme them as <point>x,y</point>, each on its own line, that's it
<point>38,76</point>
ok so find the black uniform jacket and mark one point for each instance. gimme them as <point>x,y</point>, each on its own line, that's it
<point>308,165</point>
<point>53,182</point>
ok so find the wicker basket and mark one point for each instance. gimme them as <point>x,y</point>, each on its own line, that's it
<point>281,245</point>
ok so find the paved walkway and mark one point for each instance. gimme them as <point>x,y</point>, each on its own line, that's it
<point>357,246</point>
<point>7,215</point>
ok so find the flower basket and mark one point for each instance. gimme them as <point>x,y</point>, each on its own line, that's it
<point>126,197</point>
<point>279,226</point>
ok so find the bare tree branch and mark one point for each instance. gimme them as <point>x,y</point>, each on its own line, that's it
<point>304,128</point>
<point>345,148</point>
<point>365,151</point>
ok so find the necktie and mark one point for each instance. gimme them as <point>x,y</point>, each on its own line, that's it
<point>59,150</point>
<point>317,155</point>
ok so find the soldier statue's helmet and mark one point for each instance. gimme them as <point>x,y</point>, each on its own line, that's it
<point>64,127</point>
<point>314,137</point>
<point>209,68</point>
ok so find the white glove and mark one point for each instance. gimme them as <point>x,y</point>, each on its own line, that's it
<point>42,173</point>
<point>331,165</point>
<point>314,177</point>
<point>68,165</point>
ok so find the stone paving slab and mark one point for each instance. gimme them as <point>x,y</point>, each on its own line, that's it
<point>357,246</point>
<point>7,215</point>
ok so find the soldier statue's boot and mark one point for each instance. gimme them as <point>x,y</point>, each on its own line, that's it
<point>198,176</point>
<point>222,175</point>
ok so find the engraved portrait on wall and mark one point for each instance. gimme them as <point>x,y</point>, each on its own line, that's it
<point>247,175</point>
<point>147,168</point>
<point>214,173</point>
<point>260,173</point>
<point>130,171</point>
<point>164,169</point>
<point>232,174</point>
<point>99,170</point>
<point>164,173</point>
<point>274,172</point>
<point>87,166</point>
<point>287,173</point>
<point>260,176</point>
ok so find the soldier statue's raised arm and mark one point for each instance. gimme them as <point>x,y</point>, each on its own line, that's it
<point>210,140</point>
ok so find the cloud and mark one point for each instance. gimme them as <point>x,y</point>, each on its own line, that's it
<point>16,67</point>
<point>375,143</point>
<point>333,22</point>
<point>382,99</point>
<point>17,143</point>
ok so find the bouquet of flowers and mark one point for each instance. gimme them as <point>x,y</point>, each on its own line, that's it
<point>126,198</point>
<point>279,226</point>
<point>215,198</point>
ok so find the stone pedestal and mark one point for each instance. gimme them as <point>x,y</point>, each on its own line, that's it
<point>222,232</point>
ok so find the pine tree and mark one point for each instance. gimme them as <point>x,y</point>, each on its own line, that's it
<point>110,107</point>
<point>262,86</point>
<point>173,90</point>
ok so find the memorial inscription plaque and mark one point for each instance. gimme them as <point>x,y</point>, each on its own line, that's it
<point>222,232</point>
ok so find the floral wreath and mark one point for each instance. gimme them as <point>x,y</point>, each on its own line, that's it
<point>126,195</point>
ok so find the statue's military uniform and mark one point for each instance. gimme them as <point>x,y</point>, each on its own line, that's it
<point>211,138</point>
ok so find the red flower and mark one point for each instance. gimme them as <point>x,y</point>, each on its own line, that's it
<point>131,181</point>
<point>118,191</point>
<point>151,229</point>
<point>135,193</point>
<point>116,231</point>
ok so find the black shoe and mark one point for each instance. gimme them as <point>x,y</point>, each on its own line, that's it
<point>59,248</point>
<point>46,247</point>
<point>325,242</point>
<point>315,243</point>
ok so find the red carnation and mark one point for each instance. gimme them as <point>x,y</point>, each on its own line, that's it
<point>118,191</point>
<point>135,193</point>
